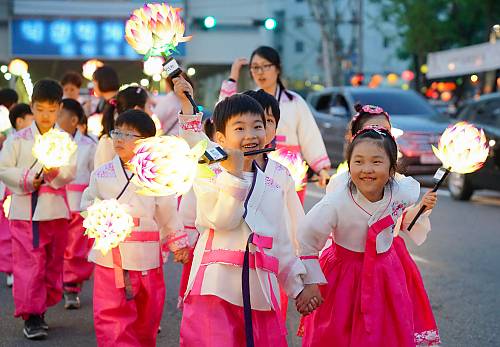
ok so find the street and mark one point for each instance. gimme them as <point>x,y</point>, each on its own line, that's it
<point>459,263</point>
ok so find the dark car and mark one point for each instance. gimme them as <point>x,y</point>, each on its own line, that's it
<point>484,113</point>
<point>416,125</point>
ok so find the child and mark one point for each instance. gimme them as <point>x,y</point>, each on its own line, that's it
<point>241,216</point>
<point>127,99</point>
<point>20,117</point>
<point>76,267</point>
<point>423,318</point>
<point>38,214</point>
<point>129,289</point>
<point>366,301</point>
<point>8,97</point>
<point>71,83</point>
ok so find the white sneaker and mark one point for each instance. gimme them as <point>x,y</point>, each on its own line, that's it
<point>10,280</point>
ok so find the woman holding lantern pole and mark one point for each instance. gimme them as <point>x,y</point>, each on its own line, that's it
<point>297,131</point>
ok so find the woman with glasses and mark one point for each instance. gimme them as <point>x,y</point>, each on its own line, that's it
<point>297,130</point>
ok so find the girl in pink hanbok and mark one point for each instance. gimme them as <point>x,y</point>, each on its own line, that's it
<point>367,301</point>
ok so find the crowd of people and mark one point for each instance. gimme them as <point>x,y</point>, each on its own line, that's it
<point>242,236</point>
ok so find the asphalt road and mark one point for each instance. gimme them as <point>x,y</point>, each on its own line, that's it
<point>459,263</point>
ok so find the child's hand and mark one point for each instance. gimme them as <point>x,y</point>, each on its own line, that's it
<point>429,200</point>
<point>182,255</point>
<point>181,86</point>
<point>50,174</point>
<point>236,68</point>
<point>234,162</point>
<point>37,182</point>
<point>309,299</point>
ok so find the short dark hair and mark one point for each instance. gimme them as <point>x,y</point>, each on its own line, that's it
<point>383,138</point>
<point>232,106</point>
<point>75,108</point>
<point>8,97</point>
<point>107,78</point>
<point>18,111</point>
<point>47,90</point>
<point>139,120</point>
<point>131,97</point>
<point>267,101</point>
<point>72,77</point>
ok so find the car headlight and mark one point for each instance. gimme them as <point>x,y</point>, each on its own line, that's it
<point>397,132</point>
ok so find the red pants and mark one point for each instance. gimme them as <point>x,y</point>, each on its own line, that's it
<point>76,266</point>
<point>208,321</point>
<point>5,243</point>
<point>135,322</point>
<point>37,271</point>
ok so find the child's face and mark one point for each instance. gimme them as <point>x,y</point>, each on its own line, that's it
<point>71,91</point>
<point>124,138</point>
<point>270,127</point>
<point>24,122</point>
<point>370,169</point>
<point>45,114</point>
<point>67,121</point>
<point>244,132</point>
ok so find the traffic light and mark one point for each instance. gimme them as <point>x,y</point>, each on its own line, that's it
<point>209,22</point>
<point>268,23</point>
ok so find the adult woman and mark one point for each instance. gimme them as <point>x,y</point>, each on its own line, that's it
<point>297,130</point>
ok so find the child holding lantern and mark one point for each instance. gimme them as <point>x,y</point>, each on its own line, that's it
<point>77,268</point>
<point>39,213</point>
<point>129,289</point>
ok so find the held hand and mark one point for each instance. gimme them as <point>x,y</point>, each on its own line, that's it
<point>323,178</point>
<point>234,162</point>
<point>37,182</point>
<point>309,299</point>
<point>429,200</point>
<point>182,255</point>
<point>181,86</point>
<point>236,68</point>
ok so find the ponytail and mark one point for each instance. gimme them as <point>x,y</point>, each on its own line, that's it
<point>283,90</point>
<point>108,117</point>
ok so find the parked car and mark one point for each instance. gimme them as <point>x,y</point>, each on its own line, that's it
<point>483,113</point>
<point>416,125</point>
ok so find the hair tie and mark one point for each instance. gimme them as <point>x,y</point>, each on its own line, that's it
<point>372,110</point>
<point>138,91</point>
<point>112,102</point>
<point>374,128</point>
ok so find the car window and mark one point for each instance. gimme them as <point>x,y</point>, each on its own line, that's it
<point>403,103</point>
<point>323,102</point>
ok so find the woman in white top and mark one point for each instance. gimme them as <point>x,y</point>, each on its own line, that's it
<point>297,130</point>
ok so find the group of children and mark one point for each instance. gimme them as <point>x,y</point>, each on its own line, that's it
<point>242,235</point>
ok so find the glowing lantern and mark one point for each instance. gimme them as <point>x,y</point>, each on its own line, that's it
<point>392,78</point>
<point>18,67</point>
<point>462,148</point>
<point>155,29</point>
<point>407,75</point>
<point>343,167</point>
<point>108,222</point>
<point>89,67</point>
<point>54,148</point>
<point>94,124</point>
<point>165,165</point>
<point>294,163</point>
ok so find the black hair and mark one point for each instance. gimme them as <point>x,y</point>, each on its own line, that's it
<point>72,77</point>
<point>209,128</point>
<point>47,90</point>
<point>267,101</point>
<point>359,122</point>
<point>107,79</point>
<point>383,138</point>
<point>139,120</point>
<point>8,97</point>
<point>75,108</point>
<point>126,99</point>
<point>272,55</point>
<point>235,105</point>
<point>18,111</point>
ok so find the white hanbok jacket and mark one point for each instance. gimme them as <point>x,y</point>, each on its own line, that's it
<point>151,215</point>
<point>18,168</point>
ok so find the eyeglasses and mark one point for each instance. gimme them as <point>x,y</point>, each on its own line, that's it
<point>118,135</point>
<point>259,69</point>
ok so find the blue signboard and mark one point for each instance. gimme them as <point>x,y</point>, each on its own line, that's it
<point>72,39</point>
